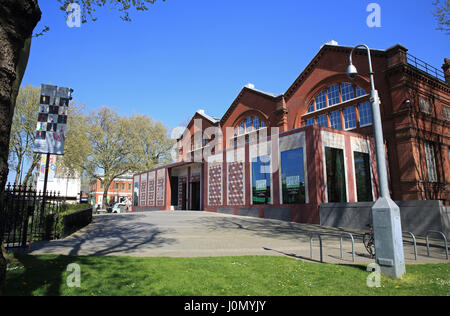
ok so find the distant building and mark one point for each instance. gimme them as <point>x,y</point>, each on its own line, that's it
<point>68,187</point>
<point>119,190</point>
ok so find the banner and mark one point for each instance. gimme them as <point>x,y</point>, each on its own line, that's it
<point>52,120</point>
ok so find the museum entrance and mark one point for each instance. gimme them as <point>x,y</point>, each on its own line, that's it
<point>195,196</point>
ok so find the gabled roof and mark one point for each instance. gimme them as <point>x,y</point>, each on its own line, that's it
<point>247,89</point>
<point>212,119</point>
<point>324,49</point>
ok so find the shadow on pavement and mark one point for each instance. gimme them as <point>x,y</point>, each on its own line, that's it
<point>108,235</point>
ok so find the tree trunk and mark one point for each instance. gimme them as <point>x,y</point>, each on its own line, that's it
<point>18,18</point>
<point>34,165</point>
<point>106,186</point>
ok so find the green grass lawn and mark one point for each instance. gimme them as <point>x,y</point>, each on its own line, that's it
<point>227,276</point>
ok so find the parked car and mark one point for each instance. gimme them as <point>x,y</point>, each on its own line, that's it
<point>118,208</point>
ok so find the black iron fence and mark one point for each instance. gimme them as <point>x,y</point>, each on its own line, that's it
<point>28,215</point>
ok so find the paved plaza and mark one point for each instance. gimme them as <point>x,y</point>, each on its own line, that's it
<point>204,234</point>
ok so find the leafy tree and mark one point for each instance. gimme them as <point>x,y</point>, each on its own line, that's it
<point>441,13</point>
<point>18,19</point>
<point>105,146</point>
<point>151,143</point>
<point>23,129</point>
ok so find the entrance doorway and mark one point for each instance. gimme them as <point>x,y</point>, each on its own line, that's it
<point>183,205</point>
<point>195,196</point>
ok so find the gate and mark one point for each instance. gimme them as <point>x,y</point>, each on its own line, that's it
<point>28,215</point>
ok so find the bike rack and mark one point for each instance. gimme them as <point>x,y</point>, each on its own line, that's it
<point>311,245</point>
<point>353,244</point>
<point>414,241</point>
<point>443,236</point>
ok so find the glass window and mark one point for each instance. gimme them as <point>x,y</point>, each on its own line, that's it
<point>241,129</point>
<point>263,124</point>
<point>310,122</point>
<point>311,107</point>
<point>347,91</point>
<point>336,185</point>
<point>365,114</point>
<point>360,92</point>
<point>321,101</point>
<point>293,176</point>
<point>136,193</point>
<point>335,120</point>
<point>350,117</point>
<point>256,124</point>
<point>261,180</point>
<point>363,179</point>
<point>322,120</point>
<point>333,95</point>
<point>431,162</point>
<point>248,125</point>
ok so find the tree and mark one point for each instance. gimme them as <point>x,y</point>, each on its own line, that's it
<point>105,146</point>
<point>23,130</point>
<point>18,19</point>
<point>151,143</point>
<point>441,13</point>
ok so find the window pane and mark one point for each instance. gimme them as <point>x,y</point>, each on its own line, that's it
<point>256,124</point>
<point>322,120</point>
<point>248,125</point>
<point>293,176</point>
<point>365,114</point>
<point>363,179</point>
<point>321,101</point>
<point>333,95</point>
<point>311,107</point>
<point>336,186</point>
<point>263,124</point>
<point>350,117</point>
<point>347,91</point>
<point>360,91</point>
<point>335,120</point>
<point>261,180</point>
<point>310,122</point>
<point>242,128</point>
<point>431,162</point>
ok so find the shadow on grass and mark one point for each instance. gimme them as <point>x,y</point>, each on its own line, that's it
<point>39,274</point>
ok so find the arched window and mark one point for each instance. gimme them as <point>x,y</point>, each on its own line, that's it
<point>250,124</point>
<point>338,106</point>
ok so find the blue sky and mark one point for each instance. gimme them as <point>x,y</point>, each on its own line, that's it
<point>185,55</point>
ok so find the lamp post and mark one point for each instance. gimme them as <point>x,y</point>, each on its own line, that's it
<point>385,213</point>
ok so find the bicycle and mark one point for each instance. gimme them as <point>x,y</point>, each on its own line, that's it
<point>369,241</point>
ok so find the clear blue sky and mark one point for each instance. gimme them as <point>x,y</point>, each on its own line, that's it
<point>185,55</point>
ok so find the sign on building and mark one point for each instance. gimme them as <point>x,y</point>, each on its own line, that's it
<point>52,120</point>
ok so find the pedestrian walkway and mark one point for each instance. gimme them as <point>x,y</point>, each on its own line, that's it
<point>204,234</point>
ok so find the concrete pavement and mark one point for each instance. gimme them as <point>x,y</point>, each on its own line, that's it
<point>203,234</point>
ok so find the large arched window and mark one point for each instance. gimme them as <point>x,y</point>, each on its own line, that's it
<point>248,125</point>
<point>340,106</point>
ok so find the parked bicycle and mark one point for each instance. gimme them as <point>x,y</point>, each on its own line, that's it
<point>369,241</point>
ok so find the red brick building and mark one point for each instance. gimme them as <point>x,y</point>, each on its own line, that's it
<point>120,189</point>
<point>322,149</point>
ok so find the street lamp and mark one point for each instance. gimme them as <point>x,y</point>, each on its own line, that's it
<point>385,213</point>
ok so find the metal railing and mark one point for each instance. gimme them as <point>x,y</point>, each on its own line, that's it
<point>311,237</point>
<point>428,242</point>
<point>353,244</point>
<point>414,242</point>
<point>425,67</point>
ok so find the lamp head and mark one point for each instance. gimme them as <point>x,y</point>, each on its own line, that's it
<point>352,72</point>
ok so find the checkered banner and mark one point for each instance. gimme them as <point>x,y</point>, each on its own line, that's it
<point>52,120</point>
